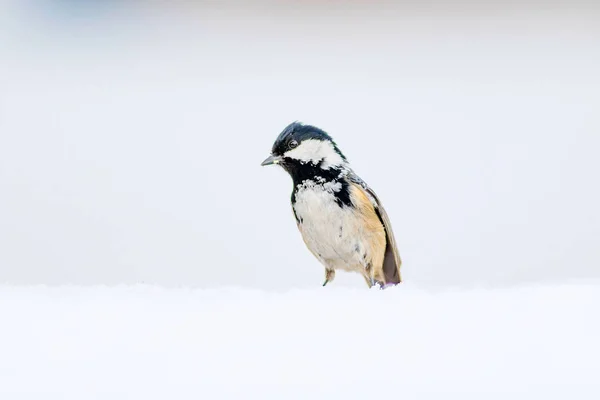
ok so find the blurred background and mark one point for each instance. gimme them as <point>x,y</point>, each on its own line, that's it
<point>131,136</point>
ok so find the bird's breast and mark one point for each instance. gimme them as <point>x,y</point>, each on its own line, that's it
<point>317,205</point>
<point>334,233</point>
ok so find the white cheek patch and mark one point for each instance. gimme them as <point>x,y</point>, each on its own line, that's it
<point>314,151</point>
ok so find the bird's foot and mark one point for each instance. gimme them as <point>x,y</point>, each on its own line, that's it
<point>383,286</point>
<point>329,276</point>
<point>375,284</point>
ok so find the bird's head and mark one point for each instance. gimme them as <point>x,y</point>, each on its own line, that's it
<point>300,145</point>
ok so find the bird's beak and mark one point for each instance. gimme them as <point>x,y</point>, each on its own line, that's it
<point>271,160</point>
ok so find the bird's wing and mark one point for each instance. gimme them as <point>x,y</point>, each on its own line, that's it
<point>392,260</point>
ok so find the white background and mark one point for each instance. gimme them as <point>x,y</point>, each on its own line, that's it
<point>133,342</point>
<point>131,137</point>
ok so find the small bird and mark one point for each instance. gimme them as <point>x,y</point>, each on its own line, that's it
<point>341,219</point>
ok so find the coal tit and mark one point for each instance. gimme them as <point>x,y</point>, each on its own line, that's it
<point>341,219</point>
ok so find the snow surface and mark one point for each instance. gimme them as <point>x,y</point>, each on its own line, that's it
<point>146,342</point>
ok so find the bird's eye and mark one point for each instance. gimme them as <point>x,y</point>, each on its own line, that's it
<point>293,144</point>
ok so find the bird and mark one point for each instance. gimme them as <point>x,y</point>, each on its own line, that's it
<point>341,219</point>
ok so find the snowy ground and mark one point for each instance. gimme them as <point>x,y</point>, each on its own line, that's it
<point>142,342</point>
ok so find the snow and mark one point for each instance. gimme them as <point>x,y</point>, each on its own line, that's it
<point>148,342</point>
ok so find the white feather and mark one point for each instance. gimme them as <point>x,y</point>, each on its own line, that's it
<point>332,233</point>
